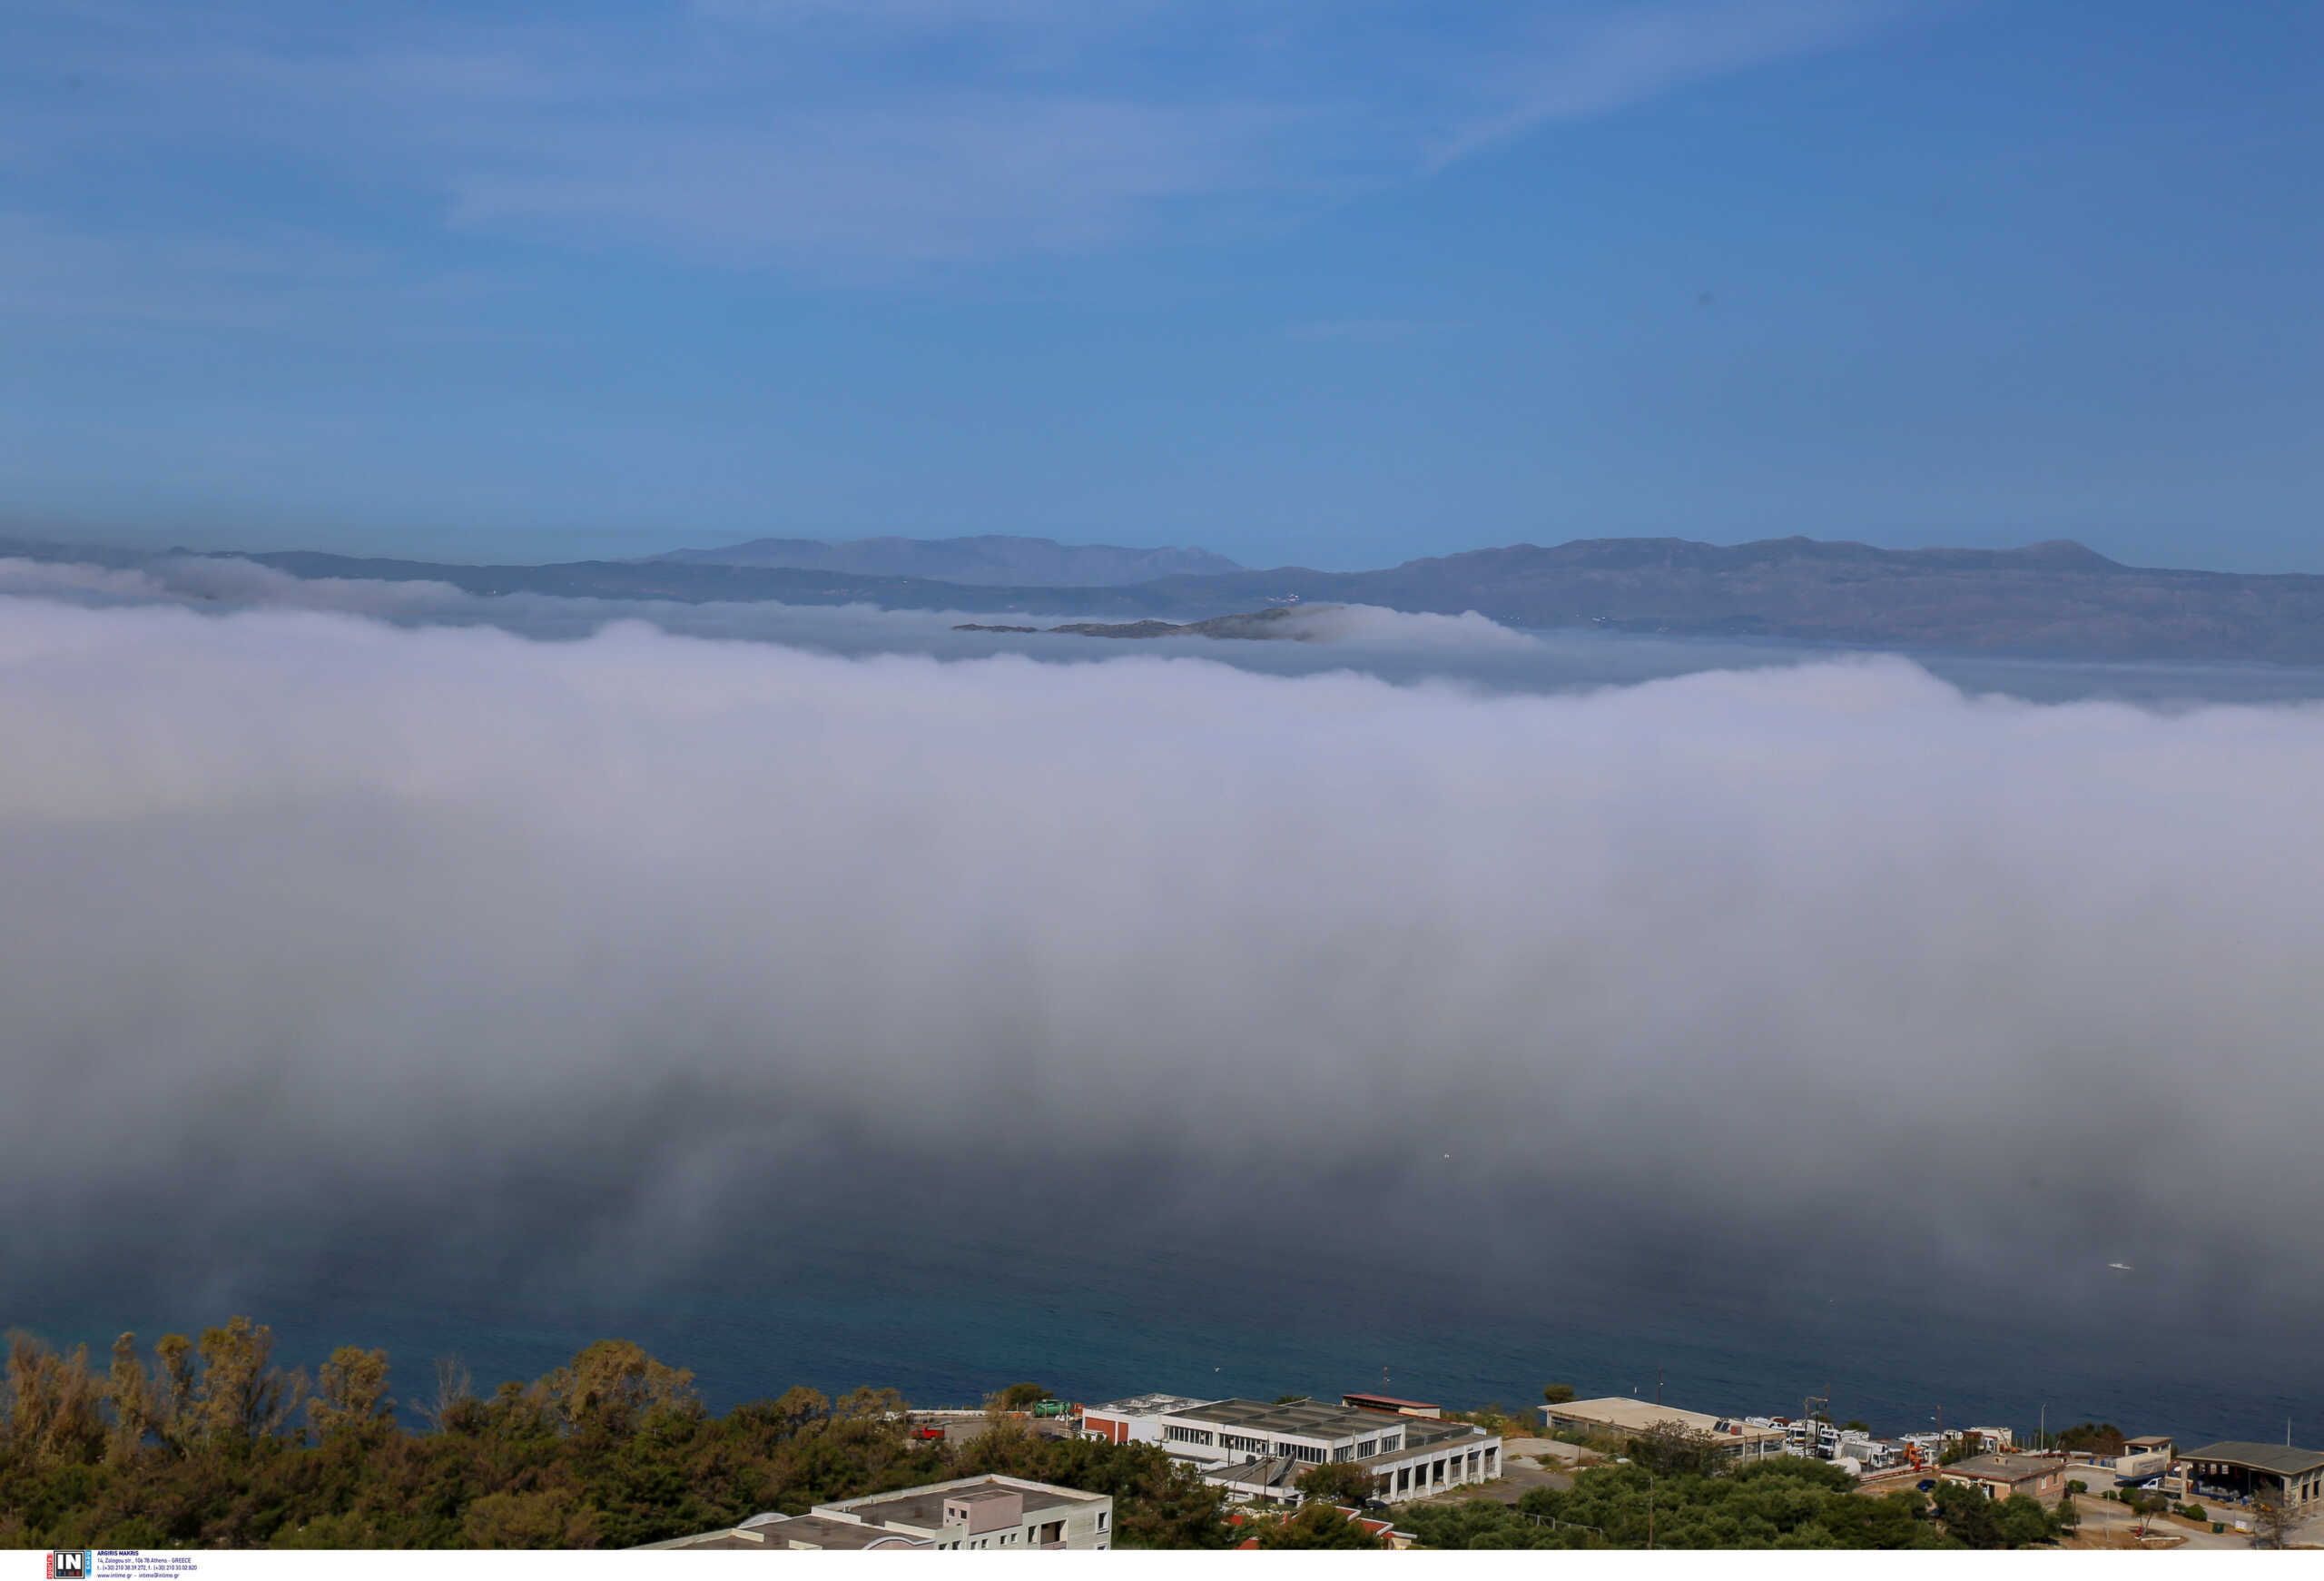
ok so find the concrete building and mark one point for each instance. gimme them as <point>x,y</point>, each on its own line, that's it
<point>1256,1450</point>
<point>995,1513</point>
<point>2236,1470</point>
<point>1135,1420</point>
<point>2000,1476</point>
<point>1626,1417</point>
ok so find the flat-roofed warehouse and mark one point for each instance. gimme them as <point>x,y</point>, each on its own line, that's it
<point>2243,1470</point>
<point>1253,1449</point>
<point>1627,1417</point>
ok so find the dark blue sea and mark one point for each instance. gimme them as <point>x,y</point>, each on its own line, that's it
<point>894,1302</point>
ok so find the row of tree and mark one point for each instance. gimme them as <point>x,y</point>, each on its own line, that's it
<point>1788,1502</point>
<point>206,1442</point>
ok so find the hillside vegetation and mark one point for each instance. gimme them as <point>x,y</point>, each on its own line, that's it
<point>211,1444</point>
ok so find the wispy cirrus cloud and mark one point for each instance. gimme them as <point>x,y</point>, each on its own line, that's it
<point>1573,69</point>
<point>784,132</point>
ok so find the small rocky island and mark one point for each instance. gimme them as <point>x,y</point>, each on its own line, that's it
<point>1281,624</point>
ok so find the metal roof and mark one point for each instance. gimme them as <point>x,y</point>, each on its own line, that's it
<point>2277,1460</point>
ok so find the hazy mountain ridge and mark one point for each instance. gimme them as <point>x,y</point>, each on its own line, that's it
<point>2057,598</point>
<point>989,561</point>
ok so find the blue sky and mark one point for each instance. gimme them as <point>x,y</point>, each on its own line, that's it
<point>1328,283</point>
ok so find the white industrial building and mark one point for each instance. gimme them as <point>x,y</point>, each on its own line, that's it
<point>1256,1450</point>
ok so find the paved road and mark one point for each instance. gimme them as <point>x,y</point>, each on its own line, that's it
<point>2105,1524</point>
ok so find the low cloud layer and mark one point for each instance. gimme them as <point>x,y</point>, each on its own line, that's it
<point>226,584</point>
<point>337,927</point>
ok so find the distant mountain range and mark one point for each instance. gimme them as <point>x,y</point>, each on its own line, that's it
<point>2054,598</point>
<point>991,561</point>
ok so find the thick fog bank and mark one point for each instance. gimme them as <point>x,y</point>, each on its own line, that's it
<point>1392,645</point>
<point>322,938</point>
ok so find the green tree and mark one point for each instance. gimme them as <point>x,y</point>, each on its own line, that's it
<point>242,1397</point>
<point>1785,1503</point>
<point>612,1384</point>
<point>1019,1396</point>
<point>1977,1521</point>
<point>1317,1525</point>
<point>350,1393</point>
<point>866,1402</point>
<point>173,1412</point>
<point>2096,1437</point>
<point>54,1402</point>
<point>1557,1394</point>
<point>1672,1448</point>
<point>129,1395</point>
<point>799,1407</point>
<point>547,1518</point>
<point>1337,1482</point>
